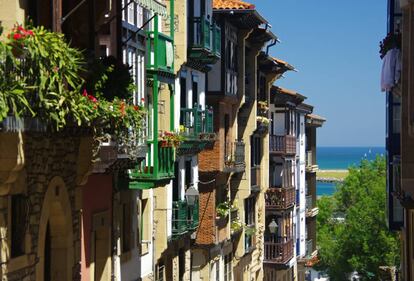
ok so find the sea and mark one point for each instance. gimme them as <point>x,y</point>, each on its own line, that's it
<point>340,158</point>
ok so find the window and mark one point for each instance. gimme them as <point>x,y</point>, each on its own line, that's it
<point>159,276</point>
<point>183,92</point>
<point>228,272</point>
<point>217,264</point>
<point>145,225</point>
<point>126,227</point>
<point>250,221</point>
<point>18,224</point>
<point>249,210</point>
<point>188,168</point>
<point>256,151</point>
<point>181,265</point>
<point>195,93</point>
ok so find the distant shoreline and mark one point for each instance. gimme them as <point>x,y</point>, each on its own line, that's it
<point>331,176</point>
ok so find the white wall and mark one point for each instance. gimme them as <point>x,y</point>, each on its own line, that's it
<point>137,265</point>
<point>301,176</point>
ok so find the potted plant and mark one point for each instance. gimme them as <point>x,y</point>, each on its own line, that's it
<point>392,40</point>
<point>263,120</point>
<point>18,37</point>
<point>263,105</point>
<point>249,230</point>
<point>170,139</point>
<point>236,226</point>
<point>223,209</point>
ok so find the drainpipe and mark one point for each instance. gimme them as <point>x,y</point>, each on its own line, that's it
<point>274,41</point>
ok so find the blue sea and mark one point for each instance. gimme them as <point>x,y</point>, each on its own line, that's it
<point>340,158</point>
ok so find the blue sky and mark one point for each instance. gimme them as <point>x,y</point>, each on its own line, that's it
<point>334,45</point>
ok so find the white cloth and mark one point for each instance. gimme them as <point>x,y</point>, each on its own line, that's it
<point>391,69</point>
<point>169,54</point>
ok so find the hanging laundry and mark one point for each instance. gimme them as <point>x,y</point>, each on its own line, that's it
<point>391,69</point>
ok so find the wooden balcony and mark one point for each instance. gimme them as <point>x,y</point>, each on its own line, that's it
<point>283,144</point>
<point>160,52</point>
<point>311,208</point>
<point>158,166</point>
<point>184,218</point>
<point>280,198</point>
<point>196,125</point>
<point>278,251</point>
<point>234,157</point>
<point>204,40</point>
<point>311,165</point>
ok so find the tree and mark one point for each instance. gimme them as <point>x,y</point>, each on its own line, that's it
<point>352,231</point>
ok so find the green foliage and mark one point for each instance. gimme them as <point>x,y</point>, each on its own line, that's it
<point>117,82</point>
<point>42,77</point>
<point>352,231</point>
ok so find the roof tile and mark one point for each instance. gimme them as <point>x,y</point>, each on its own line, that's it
<point>232,5</point>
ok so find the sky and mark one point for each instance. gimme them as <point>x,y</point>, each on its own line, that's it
<point>334,45</point>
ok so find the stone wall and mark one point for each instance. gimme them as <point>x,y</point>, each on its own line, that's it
<point>46,159</point>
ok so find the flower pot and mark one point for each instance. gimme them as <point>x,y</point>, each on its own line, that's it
<point>18,50</point>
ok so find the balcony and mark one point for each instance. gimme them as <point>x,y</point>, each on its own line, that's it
<point>160,51</point>
<point>311,162</point>
<point>236,226</point>
<point>278,251</point>
<point>196,125</point>
<point>311,209</point>
<point>234,157</point>
<point>185,219</point>
<point>309,248</point>
<point>255,179</point>
<point>280,198</point>
<point>158,166</point>
<point>204,40</point>
<point>284,144</point>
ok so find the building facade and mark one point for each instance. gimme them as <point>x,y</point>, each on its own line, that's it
<point>214,186</point>
<point>399,137</point>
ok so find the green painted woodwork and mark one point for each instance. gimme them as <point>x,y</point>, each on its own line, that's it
<point>205,40</point>
<point>195,121</point>
<point>159,163</point>
<point>160,58</point>
<point>184,218</point>
<point>196,125</point>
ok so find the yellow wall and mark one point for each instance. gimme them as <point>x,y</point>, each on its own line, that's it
<point>11,12</point>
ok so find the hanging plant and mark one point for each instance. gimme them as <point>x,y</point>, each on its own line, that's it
<point>47,84</point>
<point>392,40</point>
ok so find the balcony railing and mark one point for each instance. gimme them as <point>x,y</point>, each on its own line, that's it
<point>205,40</point>
<point>158,165</point>
<point>285,144</point>
<point>278,251</point>
<point>160,51</point>
<point>309,248</point>
<point>255,178</point>
<point>280,198</point>
<point>196,125</point>
<point>184,218</point>
<point>234,157</point>
<point>309,203</point>
<point>195,121</point>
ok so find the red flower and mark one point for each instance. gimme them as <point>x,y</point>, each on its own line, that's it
<point>85,93</point>
<point>30,33</point>
<point>20,28</point>
<point>122,108</point>
<point>17,36</point>
<point>136,107</point>
<point>92,99</point>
